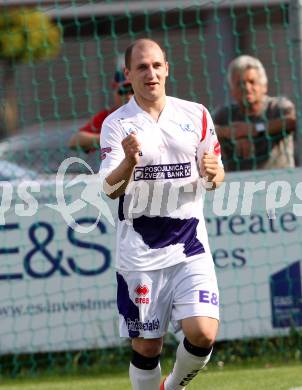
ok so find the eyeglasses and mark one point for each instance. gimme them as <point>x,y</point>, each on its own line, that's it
<point>125,90</point>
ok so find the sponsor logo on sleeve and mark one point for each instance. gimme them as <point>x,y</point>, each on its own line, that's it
<point>104,152</point>
<point>212,131</point>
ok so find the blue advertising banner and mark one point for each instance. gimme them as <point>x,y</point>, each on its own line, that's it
<point>286,296</point>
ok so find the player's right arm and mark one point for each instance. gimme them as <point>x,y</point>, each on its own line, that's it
<point>123,172</point>
<point>209,154</point>
<point>120,154</point>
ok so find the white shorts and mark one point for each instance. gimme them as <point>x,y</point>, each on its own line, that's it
<point>148,300</point>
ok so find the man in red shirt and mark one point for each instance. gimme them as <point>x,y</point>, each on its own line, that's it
<point>88,136</point>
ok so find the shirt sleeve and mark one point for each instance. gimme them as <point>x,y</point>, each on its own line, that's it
<point>208,142</point>
<point>112,152</point>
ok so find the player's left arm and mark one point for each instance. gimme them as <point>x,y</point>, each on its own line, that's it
<point>212,171</point>
<point>209,154</point>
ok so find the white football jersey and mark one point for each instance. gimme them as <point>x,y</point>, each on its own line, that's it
<point>161,219</point>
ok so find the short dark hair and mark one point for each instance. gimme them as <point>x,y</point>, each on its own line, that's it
<point>128,52</point>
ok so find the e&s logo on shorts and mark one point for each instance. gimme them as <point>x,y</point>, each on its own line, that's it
<point>208,297</point>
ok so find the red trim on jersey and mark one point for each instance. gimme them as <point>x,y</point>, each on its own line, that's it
<point>204,125</point>
<point>217,149</point>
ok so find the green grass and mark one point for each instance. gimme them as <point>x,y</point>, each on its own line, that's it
<point>272,378</point>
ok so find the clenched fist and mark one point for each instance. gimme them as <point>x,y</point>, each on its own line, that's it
<point>209,166</point>
<point>131,148</point>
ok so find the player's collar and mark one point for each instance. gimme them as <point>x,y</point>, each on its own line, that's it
<point>133,104</point>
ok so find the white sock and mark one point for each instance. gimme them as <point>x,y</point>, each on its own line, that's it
<point>145,379</point>
<point>185,368</point>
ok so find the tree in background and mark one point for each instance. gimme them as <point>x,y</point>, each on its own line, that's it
<point>27,35</point>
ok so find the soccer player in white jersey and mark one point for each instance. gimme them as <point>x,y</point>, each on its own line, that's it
<point>156,150</point>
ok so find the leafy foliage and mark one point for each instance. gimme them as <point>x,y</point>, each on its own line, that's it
<point>27,35</point>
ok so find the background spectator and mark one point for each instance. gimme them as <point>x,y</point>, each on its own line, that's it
<point>256,131</point>
<point>88,136</point>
